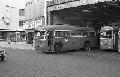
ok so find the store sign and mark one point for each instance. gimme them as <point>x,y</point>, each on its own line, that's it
<point>38,22</point>
<point>61,1</point>
<point>72,3</point>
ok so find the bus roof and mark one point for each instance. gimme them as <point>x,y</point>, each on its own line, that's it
<point>62,27</point>
<point>105,28</point>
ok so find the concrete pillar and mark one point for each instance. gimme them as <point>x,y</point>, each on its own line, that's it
<point>49,18</point>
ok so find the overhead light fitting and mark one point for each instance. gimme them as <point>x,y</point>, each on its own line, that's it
<point>86,11</point>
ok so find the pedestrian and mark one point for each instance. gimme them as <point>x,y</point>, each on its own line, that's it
<point>9,41</point>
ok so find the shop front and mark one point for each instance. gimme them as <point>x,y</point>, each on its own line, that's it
<point>30,35</point>
<point>12,35</point>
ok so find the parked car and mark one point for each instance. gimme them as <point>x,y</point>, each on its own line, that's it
<point>2,54</point>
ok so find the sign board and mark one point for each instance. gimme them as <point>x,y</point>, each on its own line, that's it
<point>38,22</point>
<point>73,4</point>
<point>48,0</point>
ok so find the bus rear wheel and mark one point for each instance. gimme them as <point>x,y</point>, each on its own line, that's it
<point>87,46</point>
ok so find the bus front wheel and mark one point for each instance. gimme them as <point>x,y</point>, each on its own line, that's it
<point>58,48</point>
<point>87,46</point>
<point>2,58</point>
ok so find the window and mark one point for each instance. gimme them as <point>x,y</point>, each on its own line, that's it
<point>40,34</point>
<point>21,12</point>
<point>62,34</point>
<point>21,23</point>
<point>91,33</point>
<point>7,23</point>
<point>106,34</point>
<point>85,33</point>
<point>77,33</point>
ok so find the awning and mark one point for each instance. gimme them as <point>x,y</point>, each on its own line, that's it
<point>8,30</point>
<point>62,27</point>
<point>74,4</point>
<point>29,30</point>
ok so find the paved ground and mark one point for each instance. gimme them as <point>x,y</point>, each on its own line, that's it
<point>28,63</point>
<point>17,45</point>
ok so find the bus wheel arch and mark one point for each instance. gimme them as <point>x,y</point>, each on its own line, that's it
<point>87,46</point>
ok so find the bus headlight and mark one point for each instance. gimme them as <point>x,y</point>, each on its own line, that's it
<point>119,51</point>
<point>101,43</point>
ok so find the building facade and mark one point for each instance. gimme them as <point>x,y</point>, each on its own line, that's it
<point>12,18</point>
<point>2,14</point>
<point>21,17</point>
<point>8,16</point>
<point>34,13</point>
<point>34,16</point>
<point>9,19</point>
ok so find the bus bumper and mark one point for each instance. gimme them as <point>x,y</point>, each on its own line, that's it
<point>105,47</point>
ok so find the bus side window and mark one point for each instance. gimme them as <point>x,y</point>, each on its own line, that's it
<point>91,33</point>
<point>72,33</point>
<point>85,33</point>
<point>76,33</point>
<point>58,34</point>
<point>80,33</point>
<point>66,34</point>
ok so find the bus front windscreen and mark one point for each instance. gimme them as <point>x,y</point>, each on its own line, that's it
<point>40,34</point>
<point>106,34</point>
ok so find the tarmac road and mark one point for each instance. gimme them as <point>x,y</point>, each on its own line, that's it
<point>28,63</point>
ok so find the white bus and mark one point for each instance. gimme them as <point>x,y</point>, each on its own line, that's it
<point>110,38</point>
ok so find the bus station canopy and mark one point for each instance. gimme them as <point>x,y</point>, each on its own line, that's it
<point>61,27</point>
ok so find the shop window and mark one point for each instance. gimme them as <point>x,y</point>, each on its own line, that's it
<point>7,23</point>
<point>21,12</point>
<point>21,23</point>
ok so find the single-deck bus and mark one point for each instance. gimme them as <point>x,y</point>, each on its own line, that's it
<point>60,38</point>
<point>110,38</point>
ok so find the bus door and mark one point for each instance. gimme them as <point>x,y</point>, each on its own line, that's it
<point>68,41</point>
<point>50,40</point>
<point>119,41</point>
<point>115,40</point>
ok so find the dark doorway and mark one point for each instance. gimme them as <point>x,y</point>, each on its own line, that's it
<point>30,38</point>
